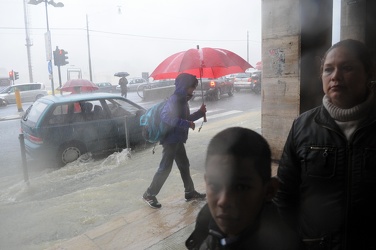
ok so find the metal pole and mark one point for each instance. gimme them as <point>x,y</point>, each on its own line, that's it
<point>28,43</point>
<point>247,46</point>
<point>48,26</point>
<point>127,136</point>
<point>23,155</point>
<point>88,46</point>
<point>50,60</point>
<point>202,91</point>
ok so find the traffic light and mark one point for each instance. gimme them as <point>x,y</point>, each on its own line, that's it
<point>60,57</point>
<point>63,57</point>
<point>11,75</point>
<point>16,75</point>
<point>57,57</point>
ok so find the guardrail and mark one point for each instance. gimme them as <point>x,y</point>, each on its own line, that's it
<point>158,93</point>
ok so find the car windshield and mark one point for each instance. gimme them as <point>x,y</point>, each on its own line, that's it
<point>5,90</point>
<point>115,103</point>
<point>242,75</point>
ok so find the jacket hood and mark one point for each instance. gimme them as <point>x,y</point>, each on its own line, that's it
<point>183,82</point>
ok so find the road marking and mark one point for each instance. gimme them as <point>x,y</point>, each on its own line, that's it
<point>231,112</point>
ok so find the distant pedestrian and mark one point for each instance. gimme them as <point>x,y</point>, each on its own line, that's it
<point>239,214</point>
<point>123,82</point>
<point>176,114</point>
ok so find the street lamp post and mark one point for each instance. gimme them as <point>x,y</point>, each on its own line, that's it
<point>48,38</point>
<point>88,47</point>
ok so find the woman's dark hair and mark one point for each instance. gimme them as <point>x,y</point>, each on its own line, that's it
<point>359,49</point>
<point>243,143</point>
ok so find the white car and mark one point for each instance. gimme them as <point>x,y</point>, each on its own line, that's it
<point>29,92</point>
<point>242,81</point>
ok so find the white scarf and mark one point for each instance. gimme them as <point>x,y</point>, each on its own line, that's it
<point>349,119</point>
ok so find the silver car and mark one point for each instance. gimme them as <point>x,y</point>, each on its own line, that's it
<point>29,92</point>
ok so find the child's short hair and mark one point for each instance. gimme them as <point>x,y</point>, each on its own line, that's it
<point>243,143</point>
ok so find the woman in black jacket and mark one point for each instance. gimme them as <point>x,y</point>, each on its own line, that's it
<point>328,166</point>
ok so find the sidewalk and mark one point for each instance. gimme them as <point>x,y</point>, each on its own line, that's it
<point>146,228</point>
<point>17,115</point>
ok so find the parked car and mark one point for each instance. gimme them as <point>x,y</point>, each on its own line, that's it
<point>62,128</point>
<point>29,92</point>
<point>212,89</point>
<point>105,87</point>
<point>242,81</point>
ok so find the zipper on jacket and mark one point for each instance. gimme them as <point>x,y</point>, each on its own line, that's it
<point>326,149</point>
<point>320,241</point>
<point>348,198</point>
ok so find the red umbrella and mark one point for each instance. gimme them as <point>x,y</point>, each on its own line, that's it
<point>205,62</point>
<point>79,85</point>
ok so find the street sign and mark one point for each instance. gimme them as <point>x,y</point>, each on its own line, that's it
<point>47,40</point>
<point>49,66</point>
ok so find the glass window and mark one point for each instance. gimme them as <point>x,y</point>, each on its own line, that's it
<point>36,111</point>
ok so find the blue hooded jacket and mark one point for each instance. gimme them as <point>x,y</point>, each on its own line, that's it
<point>176,112</point>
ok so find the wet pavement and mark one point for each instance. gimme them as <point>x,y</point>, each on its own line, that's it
<point>146,228</point>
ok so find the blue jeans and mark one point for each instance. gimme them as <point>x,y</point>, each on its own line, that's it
<point>171,152</point>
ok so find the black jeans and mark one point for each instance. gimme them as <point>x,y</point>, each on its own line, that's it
<point>170,153</point>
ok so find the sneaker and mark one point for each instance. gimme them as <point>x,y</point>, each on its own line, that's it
<point>194,195</point>
<point>151,201</point>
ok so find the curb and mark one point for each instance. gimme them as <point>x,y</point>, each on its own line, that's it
<point>10,117</point>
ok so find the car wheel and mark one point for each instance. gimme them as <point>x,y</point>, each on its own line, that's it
<point>70,152</point>
<point>3,103</point>
<point>217,94</point>
<point>38,96</point>
<point>231,91</point>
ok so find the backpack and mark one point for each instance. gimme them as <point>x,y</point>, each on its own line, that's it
<point>153,129</point>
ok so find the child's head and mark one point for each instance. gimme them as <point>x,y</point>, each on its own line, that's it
<point>238,178</point>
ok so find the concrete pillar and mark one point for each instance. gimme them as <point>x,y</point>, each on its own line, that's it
<point>358,21</point>
<point>294,36</point>
<point>353,19</point>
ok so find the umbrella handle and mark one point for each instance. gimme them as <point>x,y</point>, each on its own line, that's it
<point>205,120</point>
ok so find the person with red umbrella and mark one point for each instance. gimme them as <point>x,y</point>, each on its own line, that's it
<point>176,114</point>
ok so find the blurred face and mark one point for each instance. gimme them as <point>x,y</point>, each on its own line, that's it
<point>344,78</point>
<point>235,192</point>
<point>190,93</point>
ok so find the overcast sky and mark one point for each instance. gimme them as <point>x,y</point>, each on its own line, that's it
<point>125,35</point>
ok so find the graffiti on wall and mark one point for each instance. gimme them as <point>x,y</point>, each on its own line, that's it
<point>277,61</point>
